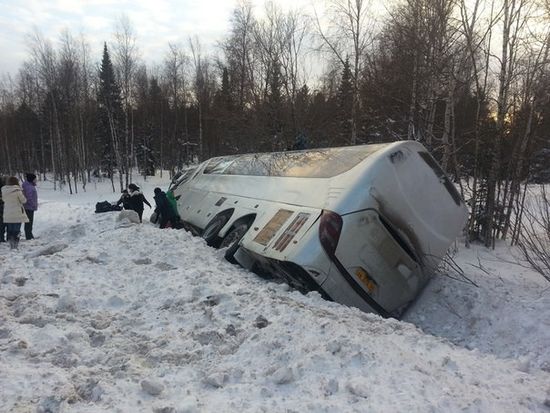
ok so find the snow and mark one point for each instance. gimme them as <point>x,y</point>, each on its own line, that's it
<point>101,317</point>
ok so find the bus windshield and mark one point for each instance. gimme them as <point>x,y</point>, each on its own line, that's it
<point>318,163</point>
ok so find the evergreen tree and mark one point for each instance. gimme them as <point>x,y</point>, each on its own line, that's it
<point>110,117</point>
<point>345,104</point>
<point>224,119</point>
<point>225,92</point>
<point>154,130</point>
<point>274,108</point>
<point>302,106</point>
<point>145,153</point>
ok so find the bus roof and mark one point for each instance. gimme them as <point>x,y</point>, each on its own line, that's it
<point>315,163</point>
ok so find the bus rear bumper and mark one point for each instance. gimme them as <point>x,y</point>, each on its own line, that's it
<point>298,277</point>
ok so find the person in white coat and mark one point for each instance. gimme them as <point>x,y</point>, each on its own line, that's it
<point>14,211</point>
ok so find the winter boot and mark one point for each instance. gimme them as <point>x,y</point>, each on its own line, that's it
<point>11,241</point>
<point>16,242</point>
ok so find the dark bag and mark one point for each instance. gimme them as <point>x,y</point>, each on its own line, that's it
<point>106,206</point>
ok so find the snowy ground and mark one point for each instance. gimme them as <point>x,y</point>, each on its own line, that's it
<point>137,319</point>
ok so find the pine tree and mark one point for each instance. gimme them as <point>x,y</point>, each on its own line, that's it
<point>345,105</point>
<point>274,108</point>
<point>110,118</point>
<point>302,105</point>
<point>225,92</point>
<point>149,154</point>
<point>224,116</point>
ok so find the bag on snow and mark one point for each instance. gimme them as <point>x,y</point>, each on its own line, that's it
<point>106,206</point>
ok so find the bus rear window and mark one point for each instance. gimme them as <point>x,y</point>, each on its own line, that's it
<point>319,163</point>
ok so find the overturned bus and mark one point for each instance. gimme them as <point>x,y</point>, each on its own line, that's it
<point>364,225</point>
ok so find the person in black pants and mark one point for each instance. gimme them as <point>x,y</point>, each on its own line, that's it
<point>137,200</point>
<point>29,190</point>
<point>167,215</point>
<point>2,225</point>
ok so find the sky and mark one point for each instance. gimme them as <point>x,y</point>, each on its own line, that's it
<point>101,315</point>
<point>156,23</point>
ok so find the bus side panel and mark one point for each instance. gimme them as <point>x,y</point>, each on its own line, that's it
<point>189,202</point>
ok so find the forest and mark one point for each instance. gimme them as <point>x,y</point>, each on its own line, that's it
<point>469,79</point>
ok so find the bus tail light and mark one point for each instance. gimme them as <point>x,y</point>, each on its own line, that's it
<point>329,231</point>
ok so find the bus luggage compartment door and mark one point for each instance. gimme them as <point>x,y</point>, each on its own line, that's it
<point>378,263</point>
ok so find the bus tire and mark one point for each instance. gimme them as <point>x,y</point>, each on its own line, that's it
<point>231,241</point>
<point>211,231</point>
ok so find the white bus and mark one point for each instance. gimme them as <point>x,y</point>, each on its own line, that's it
<point>364,226</point>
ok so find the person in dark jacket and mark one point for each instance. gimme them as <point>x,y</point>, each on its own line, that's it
<point>2,225</point>
<point>124,200</point>
<point>136,201</point>
<point>29,190</point>
<point>166,213</point>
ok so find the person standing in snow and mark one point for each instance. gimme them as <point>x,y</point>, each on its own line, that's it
<point>2,225</point>
<point>137,199</point>
<point>164,209</point>
<point>14,211</point>
<point>124,199</point>
<point>29,190</point>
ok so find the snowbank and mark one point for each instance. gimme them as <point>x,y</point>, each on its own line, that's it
<point>137,319</point>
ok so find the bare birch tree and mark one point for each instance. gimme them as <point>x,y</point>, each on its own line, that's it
<point>126,62</point>
<point>175,66</point>
<point>238,51</point>
<point>348,36</point>
<point>478,48</point>
<point>292,58</point>
<point>200,66</point>
<point>514,18</point>
<point>45,61</point>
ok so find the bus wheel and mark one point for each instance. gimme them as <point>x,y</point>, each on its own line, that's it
<point>210,233</point>
<point>231,241</point>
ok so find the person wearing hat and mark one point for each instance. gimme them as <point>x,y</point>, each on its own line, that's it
<point>29,190</point>
<point>137,199</point>
<point>14,212</point>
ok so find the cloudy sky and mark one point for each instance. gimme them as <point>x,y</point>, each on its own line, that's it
<point>156,22</point>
